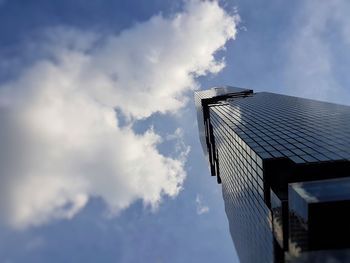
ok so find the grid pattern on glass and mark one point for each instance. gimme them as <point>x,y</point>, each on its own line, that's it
<point>241,174</point>
<point>200,96</point>
<point>300,129</point>
<point>298,238</point>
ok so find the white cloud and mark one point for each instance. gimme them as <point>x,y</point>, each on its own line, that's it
<point>200,207</point>
<point>314,69</point>
<point>59,136</point>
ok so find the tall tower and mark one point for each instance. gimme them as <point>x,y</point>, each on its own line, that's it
<point>284,166</point>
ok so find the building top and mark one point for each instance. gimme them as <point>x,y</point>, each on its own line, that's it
<point>204,97</point>
<point>221,91</point>
<point>302,130</point>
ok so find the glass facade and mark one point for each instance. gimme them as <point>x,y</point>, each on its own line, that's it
<point>240,170</point>
<point>262,147</point>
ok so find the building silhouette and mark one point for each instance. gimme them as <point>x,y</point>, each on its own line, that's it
<point>284,166</point>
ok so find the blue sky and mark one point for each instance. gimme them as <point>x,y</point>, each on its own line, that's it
<point>84,183</point>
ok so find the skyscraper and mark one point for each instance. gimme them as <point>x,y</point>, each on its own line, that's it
<point>284,166</point>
